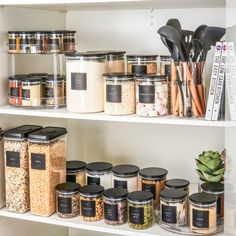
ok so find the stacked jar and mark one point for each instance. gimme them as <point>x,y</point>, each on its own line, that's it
<point>181,184</point>
<point>2,185</point>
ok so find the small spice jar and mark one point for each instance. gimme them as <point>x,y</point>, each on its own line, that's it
<point>151,96</point>
<point>24,42</point>
<point>75,172</point>
<point>13,41</point>
<point>125,176</point>
<point>2,177</point>
<point>91,202</point>
<point>140,210</point>
<point>174,207</point>
<point>69,41</point>
<point>216,189</point>
<point>165,65</point>
<point>182,184</point>
<point>67,200</point>
<point>119,97</point>
<point>44,42</point>
<point>203,213</point>
<point>152,179</point>
<point>99,173</point>
<point>115,206</point>
<point>55,41</point>
<point>139,64</point>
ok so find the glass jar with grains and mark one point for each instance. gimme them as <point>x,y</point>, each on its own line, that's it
<point>2,177</point>
<point>47,152</point>
<point>91,202</point>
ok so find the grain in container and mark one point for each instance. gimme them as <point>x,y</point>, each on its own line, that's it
<point>2,177</point>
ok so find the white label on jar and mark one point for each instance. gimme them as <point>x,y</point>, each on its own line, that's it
<point>146,93</point>
<point>113,93</point>
<point>78,81</point>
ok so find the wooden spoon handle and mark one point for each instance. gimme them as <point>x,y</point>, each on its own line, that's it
<point>173,87</point>
<point>200,91</point>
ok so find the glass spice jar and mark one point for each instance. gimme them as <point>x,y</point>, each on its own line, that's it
<point>182,184</point>
<point>13,41</point>
<point>91,203</point>
<point>24,42</point>
<point>69,41</point>
<point>203,213</point>
<point>67,200</point>
<point>174,207</point>
<point>55,41</point>
<point>44,42</point>
<point>115,206</point>
<point>37,38</point>
<point>140,210</point>
<point>75,172</point>
<point>165,65</point>
<point>125,176</point>
<point>152,179</point>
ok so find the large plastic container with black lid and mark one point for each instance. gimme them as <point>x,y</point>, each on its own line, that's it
<point>2,184</point>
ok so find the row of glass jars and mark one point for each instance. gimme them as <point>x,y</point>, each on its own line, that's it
<point>58,41</point>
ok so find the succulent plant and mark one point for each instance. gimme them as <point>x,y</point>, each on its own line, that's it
<point>210,166</point>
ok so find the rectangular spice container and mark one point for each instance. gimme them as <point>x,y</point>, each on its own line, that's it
<point>17,168</point>
<point>47,152</point>
<point>2,185</point>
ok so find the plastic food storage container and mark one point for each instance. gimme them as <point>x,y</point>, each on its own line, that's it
<point>182,184</point>
<point>75,172</point>
<point>85,82</point>
<point>203,213</point>
<point>125,176</point>
<point>115,206</point>
<point>47,151</point>
<point>17,168</point>
<point>140,210</point>
<point>216,189</point>
<point>99,173</point>
<point>152,96</point>
<point>174,207</point>
<point>142,64</point>
<point>91,202</point>
<point>2,177</point>
<point>152,179</point>
<point>119,97</point>
<point>67,200</point>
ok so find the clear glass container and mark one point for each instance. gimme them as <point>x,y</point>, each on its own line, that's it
<point>151,96</point>
<point>44,42</point>
<point>142,64</point>
<point>125,176</point>
<point>75,172</point>
<point>67,200</point>
<point>91,203</point>
<point>69,41</point>
<point>13,41</point>
<point>165,66</point>
<point>2,177</point>
<point>17,168</point>
<point>37,35</point>
<point>85,82</point>
<point>140,210</point>
<point>119,97</point>
<point>152,179</point>
<point>115,206</point>
<point>182,184</point>
<point>24,42</point>
<point>47,152</point>
<point>99,173</point>
<point>174,207</point>
<point>203,213</point>
<point>55,37</point>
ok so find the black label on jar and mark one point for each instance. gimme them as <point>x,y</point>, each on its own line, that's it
<point>12,44</point>
<point>218,206</point>
<point>93,180</point>
<point>64,205</point>
<point>139,69</point>
<point>13,159</point>
<point>111,212</point>
<point>168,214</point>
<point>146,93</point>
<point>15,92</point>
<point>49,92</point>
<point>71,178</point>
<point>38,161</point>
<point>149,188</point>
<point>113,93</point>
<point>168,71</point>
<point>88,208</point>
<point>200,219</point>
<point>120,184</point>
<point>78,81</point>
<point>25,94</point>
<point>136,215</point>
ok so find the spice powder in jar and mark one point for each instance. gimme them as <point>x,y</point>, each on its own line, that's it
<point>91,202</point>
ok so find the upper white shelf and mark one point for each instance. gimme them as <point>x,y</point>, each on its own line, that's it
<point>65,5</point>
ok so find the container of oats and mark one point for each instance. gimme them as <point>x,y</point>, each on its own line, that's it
<point>17,168</point>
<point>47,161</point>
<point>2,184</point>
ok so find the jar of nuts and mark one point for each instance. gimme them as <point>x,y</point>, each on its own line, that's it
<point>17,168</point>
<point>47,152</point>
<point>115,206</point>
<point>67,200</point>
<point>140,210</point>
<point>91,202</point>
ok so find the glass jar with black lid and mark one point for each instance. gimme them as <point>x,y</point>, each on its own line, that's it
<point>178,184</point>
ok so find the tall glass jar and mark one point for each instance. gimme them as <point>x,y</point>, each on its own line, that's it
<point>2,177</point>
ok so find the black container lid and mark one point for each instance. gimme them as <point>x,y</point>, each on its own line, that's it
<point>203,198</point>
<point>108,52</point>
<point>21,132</point>
<point>39,74</point>
<point>55,78</point>
<point>212,187</point>
<point>91,190</point>
<point>74,166</point>
<point>18,77</point>
<point>143,56</point>
<point>125,170</point>
<point>14,32</point>
<point>115,193</point>
<point>118,76</point>
<point>153,173</point>
<point>68,187</point>
<point>154,77</point>
<point>177,183</point>
<point>139,69</point>
<point>85,54</point>
<point>32,79</point>
<point>47,134</point>
<point>165,56</point>
<point>140,196</point>
<point>173,194</point>
<point>99,166</point>
<point>70,31</point>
